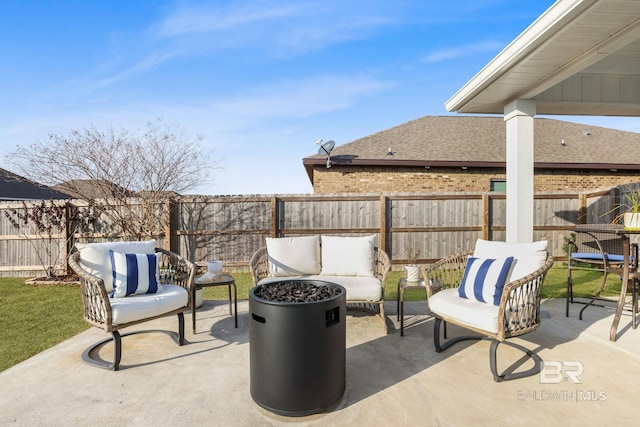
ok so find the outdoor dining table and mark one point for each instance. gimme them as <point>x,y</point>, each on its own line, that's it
<point>628,274</point>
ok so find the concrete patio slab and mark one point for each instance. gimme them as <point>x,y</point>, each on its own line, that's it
<point>391,380</point>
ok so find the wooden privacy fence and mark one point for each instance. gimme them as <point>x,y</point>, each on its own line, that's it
<point>425,227</point>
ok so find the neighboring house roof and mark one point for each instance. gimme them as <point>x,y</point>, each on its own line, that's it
<point>88,188</point>
<point>16,187</point>
<point>481,142</point>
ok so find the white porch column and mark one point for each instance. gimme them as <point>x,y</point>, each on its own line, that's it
<point>518,116</point>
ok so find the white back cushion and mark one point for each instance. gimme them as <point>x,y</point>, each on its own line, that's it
<point>348,256</point>
<point>528,256</point>
<point>94,257</point>
<point>292,256</point>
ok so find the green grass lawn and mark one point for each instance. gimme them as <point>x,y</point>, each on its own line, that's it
<point>34,318</point>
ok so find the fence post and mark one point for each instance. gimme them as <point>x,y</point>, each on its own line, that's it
<point>69,238</point>
<point>485,217</point>
<point>582,208</point>
<point>274,217</point>
<point>615,195</point>
<point>168,226</point>
<point>383,223</point>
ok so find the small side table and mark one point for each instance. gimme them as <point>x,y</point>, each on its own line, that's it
<point>219,280</point>
<point>403,285</point>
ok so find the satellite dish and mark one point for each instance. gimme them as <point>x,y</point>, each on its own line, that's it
<point>326,149</point>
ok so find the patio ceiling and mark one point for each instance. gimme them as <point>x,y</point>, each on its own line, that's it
<point>578,58</point>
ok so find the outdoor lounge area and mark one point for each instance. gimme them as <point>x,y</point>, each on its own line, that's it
<point>390,379</point>
<point>590,358</point>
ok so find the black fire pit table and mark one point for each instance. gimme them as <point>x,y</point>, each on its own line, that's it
<point>297,340</point>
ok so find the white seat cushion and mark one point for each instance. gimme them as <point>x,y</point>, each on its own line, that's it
<point>447,303</point>
<point>359,288</point>
<point>143,306</point>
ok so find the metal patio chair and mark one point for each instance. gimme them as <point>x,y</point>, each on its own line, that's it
<point>595,251</point>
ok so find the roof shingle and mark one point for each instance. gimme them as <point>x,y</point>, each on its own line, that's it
<point>483,139</point>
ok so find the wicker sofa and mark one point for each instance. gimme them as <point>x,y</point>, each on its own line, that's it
<point>352,262</point>
<point>493,291</point>
<point>105,309</point>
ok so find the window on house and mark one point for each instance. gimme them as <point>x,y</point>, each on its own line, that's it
<point>498,185</point>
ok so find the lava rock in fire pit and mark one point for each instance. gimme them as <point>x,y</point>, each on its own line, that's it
<point>296,291</point>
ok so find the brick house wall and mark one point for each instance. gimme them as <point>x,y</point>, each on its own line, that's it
<point>363,179</point>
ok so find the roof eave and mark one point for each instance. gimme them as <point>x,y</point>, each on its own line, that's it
<point>310,163</point>
<point>539,32</point>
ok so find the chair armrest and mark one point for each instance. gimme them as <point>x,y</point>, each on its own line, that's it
<point>95,301</point>
<point>183,270</point>
<point>382,265</point>
<point>259,265</point>
<point>445,273</point>
<point>519,310</point>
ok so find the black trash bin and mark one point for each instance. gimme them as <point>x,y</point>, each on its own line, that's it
<point>297,352</point>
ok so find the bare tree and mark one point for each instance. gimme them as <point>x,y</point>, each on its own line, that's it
<point>126,176</point>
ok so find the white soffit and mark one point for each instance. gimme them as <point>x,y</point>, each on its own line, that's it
<point>578,57</point>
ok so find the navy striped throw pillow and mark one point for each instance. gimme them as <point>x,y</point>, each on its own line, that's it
<point>484,279</point>
<point>134,274</point>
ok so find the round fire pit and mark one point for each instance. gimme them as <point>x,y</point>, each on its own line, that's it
<point>297,345</point>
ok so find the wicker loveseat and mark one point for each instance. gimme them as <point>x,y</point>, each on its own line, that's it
<point>104,308</point>
<point>485,292</point>
<point>352,262</point>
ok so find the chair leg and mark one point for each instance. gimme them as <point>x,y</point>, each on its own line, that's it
<point>180,328</point>
<point>383,317</point>
<point>569,291</point>
<point>117,345</point>
<point>604,282</point>
<point>508,374</point>
<point>445,345</point>
<point>117,353</point>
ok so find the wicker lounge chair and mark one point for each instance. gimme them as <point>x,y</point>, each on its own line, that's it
<point>259,265</point>
<point>514,313</point>
<point>176,275</point>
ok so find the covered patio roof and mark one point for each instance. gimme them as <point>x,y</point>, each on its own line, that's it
<point>580,57</point>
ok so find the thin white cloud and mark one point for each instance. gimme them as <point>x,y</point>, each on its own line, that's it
<point>273,29</point>
<point>303,98</point>
<point>278,28</point>
<point>449,53</point>
<point>152,61</point>
<point>218,17</point>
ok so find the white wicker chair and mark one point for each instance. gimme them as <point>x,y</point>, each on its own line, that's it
<point>98,306</point>
<point>518,312</point>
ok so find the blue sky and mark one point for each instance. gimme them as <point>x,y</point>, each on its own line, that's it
<point>260,80</point>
